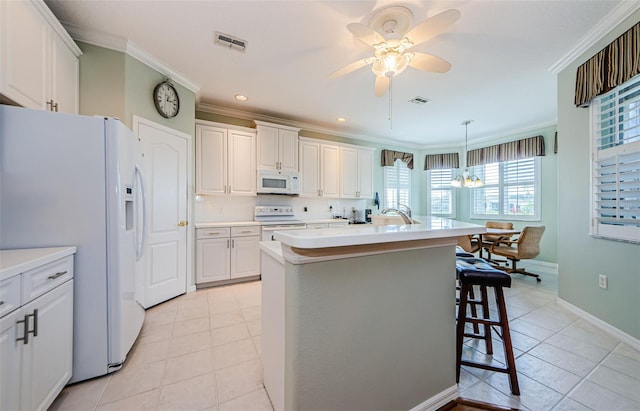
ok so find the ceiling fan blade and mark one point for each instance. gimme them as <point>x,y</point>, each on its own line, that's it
<point>381,85</point>
<point>432,26</point>
<point>350,67</point>
<point>365,34</point>
<point>427,62</point>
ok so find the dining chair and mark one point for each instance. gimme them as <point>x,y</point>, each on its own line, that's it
<point>469,243</point>
<point>527,246</point>
<point>489,239</point>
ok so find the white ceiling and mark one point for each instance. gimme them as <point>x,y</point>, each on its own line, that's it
<point>501,53</point>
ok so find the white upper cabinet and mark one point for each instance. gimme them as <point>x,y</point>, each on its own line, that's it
<point>319,169</point>
<point>277,146</point>
<point>39,60</point>
<point>225,160</point>
<point>335,170</point>
<point>356,165</point>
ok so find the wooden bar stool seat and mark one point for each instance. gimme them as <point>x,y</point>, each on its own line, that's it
<point>477,272</point>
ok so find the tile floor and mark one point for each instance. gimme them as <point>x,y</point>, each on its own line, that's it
<point>201,351</point>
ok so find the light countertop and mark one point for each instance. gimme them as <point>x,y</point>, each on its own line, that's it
<point>14,262</point>
<point>429,228</point>
<point>226,224</point>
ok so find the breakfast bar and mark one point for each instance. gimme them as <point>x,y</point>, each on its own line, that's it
<point>361,317</point>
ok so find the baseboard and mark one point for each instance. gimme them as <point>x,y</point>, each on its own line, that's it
<point>604,326</point>
<point>438,400</point>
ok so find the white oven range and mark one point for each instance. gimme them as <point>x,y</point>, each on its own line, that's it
<point>276,218</point>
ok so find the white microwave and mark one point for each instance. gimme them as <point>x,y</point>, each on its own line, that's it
<point>278,182</point>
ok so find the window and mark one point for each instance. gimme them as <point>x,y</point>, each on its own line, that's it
<point>397,184</point>
<point>511,190</point>
<point>442,199</point>
<point>616,163</point>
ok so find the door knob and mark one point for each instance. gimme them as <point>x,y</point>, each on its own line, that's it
<point>182,223</point>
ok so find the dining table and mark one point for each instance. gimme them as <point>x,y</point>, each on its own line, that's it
<point>501,232</point>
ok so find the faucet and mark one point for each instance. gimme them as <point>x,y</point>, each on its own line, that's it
<point>406,209</point>
<point>405,217</point>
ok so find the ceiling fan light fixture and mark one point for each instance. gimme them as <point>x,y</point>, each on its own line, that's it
<point>391,63</point>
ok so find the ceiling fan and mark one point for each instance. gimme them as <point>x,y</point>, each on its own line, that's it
<point>386,34</point>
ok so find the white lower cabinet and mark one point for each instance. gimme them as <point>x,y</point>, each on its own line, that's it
<point>227,253</point>
<point>36,339</point>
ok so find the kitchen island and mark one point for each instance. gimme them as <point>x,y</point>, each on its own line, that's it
<point>361,317</point>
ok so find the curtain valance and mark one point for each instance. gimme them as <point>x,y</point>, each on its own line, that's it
<point>440,161</point>
<point>389,157</point>
<point>610,67</point>
<point>513,150</point>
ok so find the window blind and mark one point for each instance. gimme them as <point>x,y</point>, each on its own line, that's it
<point>616,163</point>
<point>441,193</point>
<point>397,184</point>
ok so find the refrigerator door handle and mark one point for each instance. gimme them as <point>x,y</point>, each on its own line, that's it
<point>143,238</point>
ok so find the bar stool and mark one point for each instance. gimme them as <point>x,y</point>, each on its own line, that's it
<point>476,271</point>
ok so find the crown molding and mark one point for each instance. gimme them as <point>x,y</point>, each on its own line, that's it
<point>123,45</point>
<point>245,115</point>
<point>601,29</point>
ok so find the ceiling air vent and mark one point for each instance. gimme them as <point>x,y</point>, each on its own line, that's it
<point>230,42</point>
<point>419,100</point>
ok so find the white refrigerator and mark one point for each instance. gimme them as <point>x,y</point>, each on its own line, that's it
<point>69,180</point>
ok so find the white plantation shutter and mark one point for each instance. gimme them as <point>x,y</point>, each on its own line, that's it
<point>616,163</point>
<point>441,193</point>
<point>511,190</point>
<point>397,184</point>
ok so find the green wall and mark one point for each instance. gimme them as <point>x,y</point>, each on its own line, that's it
<point>581,257</point>
<point>115,84</point>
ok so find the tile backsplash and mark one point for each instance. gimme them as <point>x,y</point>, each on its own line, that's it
<point>240,208</point>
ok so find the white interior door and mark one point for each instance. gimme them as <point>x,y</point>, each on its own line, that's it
<point>165,166</point>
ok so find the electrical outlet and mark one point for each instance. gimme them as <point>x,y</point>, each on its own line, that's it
<point>602,281</point>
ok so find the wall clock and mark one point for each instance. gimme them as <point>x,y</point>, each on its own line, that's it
<point>166,100</point>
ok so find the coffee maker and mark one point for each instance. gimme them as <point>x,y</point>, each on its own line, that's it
<point>367,215</point>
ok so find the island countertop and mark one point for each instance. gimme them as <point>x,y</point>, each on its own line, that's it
<point>429,227</point>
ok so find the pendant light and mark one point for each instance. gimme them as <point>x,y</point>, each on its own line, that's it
<point>466,180</point>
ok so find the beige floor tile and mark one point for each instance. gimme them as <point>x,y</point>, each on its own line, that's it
<point>80,397</point>
<point>484,392</point>
<point>188,366</point>
<point>255,401</point>
<point>624,349</point>
<point>623,364</point>
<point>157,333</point>
<point>582,330</point>
<point>599,398</point>
<point>238,380</point>
<point>529,329</point>
<point>252,313</point>
<point>132,380</point>
<point>257,344</point>
<point>255,327</point>
<point>229,334</point>
<point>190,313</point>
<point>196,393</point>
<point>226,319</point>
<point>216,307</point>
<point>188,327</point>
<point>567,404</point>
<point>578,347</point>
<point>533,395</point>
<point>617,382</point>
<point>564,359</point>
<point>146,401</point>
<point>186,344</point>
<point>149,352</point>
<point>547,374</point>
<point>233,353</point>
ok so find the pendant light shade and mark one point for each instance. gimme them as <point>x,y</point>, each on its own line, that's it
<point>466,180</point>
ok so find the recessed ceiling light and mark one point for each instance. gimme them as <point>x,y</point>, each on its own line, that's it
<point>341,119</point>
<point>241,97</point>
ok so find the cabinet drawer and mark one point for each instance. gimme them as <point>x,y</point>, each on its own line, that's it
<point>42,279</point>
<point>245,231</point>
<point>214,232</point>
<point>10,294</point>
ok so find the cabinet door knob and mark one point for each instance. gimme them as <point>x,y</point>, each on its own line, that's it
<point>182,223</point>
